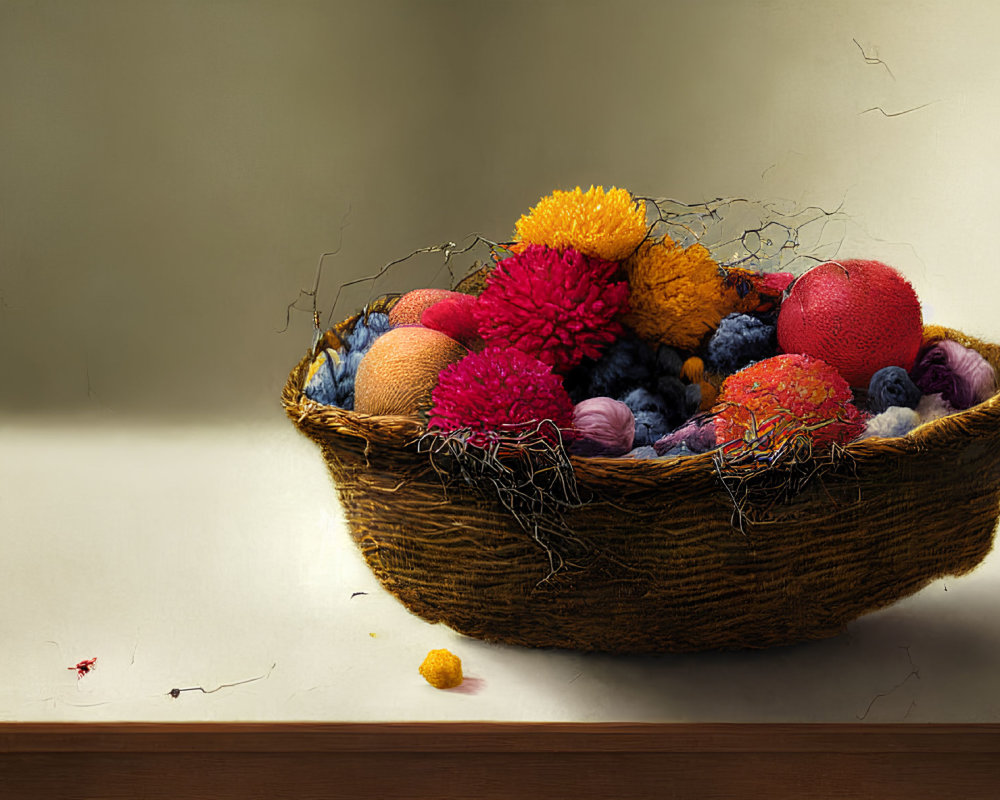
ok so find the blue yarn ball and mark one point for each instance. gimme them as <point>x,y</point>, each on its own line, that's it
<point>680,400</point>
<point>367,330</point>
<point>892,386</point>
<point>626,363</point>
<point>332,384</point>
<point>651,415</point>
<point>668,361</point>
<point>739,340</point>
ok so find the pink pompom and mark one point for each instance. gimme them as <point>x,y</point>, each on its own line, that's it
<point>500,392</point>
<point>604,427</point>
<point>559,307</point>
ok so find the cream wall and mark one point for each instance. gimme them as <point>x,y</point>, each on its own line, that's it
<point>170,171</point>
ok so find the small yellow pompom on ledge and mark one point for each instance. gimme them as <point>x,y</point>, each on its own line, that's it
<point>599,224</point>
<point>442,669</point>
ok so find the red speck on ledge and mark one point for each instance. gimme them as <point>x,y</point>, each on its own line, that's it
<point>84,667</point>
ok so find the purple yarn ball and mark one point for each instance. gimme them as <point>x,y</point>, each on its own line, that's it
<point>605,427</point>
<point>697,436</point>
<point>960,375</point>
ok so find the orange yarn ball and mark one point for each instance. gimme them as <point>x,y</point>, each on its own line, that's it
<point>399,372</point>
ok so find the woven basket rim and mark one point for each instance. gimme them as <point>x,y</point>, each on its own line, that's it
<point>403,431</point>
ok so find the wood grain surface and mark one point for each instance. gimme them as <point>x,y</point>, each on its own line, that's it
<point>497,760</point>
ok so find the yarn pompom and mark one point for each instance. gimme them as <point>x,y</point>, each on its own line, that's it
<point>442,669</point>
<point>959,374</point>
<point>411,306</point>
<point>606,225</point>
<point>401,368</point>
<point>604,427</point>
<point>454,317</point>
<point>783,396</point>
<point>558,307</point>
<point>893,421</point>
<point>330,379</point>
<point>499,391</point>
<point>678,296</point>
<point>739,340</point>
<point>889,387</point>
<point>857,316</point>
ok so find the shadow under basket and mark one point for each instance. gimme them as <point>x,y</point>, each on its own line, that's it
<point>669,568</point>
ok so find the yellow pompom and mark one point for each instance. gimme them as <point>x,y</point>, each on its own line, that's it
<point>677,295</point>
<point>599,224</point>
<point>442,669</point>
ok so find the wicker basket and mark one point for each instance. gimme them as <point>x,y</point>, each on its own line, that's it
<point>670,571</point>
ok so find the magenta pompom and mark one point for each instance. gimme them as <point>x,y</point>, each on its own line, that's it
<point>559,307</point>
<point>960,375</point>
<point>604,427</point>
<point>500,392</point>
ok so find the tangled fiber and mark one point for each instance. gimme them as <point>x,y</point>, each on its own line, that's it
<point>695,436</point>
<point>893,421</point>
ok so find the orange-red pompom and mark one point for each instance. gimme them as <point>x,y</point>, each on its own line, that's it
<point>857,316</point>
<point>763,406</point>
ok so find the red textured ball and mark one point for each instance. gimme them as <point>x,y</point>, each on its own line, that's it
<point>499,391</point>
<point>857,316</point>
<point>559,307</point>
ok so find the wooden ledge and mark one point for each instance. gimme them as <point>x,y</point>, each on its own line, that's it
<point>497,760</point>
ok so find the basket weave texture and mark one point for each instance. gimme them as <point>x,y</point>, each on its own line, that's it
<point>668,571</point>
